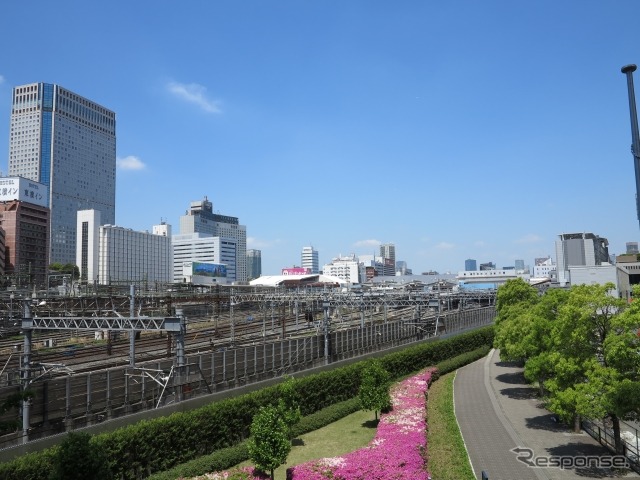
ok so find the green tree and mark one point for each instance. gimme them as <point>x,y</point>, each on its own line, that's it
<point>288,404</point>
<point>78,458</point>
<point>374,387</point>
<point>514,294</point>
<point>538,341</point>
<point>269,444</point>
<point>589,355</point>
<point>580,345</point>
<point>13,402</point>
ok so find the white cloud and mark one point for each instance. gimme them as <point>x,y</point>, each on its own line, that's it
<point>130,163</point>
<point>367,243</point>
<point>445,246</point>
<point>530,238</point>
<point>194,93</point>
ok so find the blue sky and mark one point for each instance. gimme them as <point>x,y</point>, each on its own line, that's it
<point>454,130</point>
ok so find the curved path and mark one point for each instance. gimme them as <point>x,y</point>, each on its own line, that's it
<point>498,411</point>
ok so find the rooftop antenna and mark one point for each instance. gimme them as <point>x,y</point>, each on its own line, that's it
<point>635,145</point>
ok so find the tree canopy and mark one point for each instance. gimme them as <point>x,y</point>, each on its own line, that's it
<point>269,444</point>
<point>374,387</point>
<point>580,345</point>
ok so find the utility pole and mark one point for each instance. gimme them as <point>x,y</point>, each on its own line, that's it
<point>325,306</point>
<point>27,328</point>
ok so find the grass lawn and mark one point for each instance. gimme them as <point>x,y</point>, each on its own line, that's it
<point>346,435</point>
<point>448,459</point>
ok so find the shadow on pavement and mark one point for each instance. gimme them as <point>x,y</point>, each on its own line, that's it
<point>520,393</point>
<point>514,378</point>
<point>545,422</point>
<point>587,468</point>
<point>514,364</point>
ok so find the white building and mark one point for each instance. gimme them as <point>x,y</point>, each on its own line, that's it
<point>201,219</point>
<point>109,254</point>
<point>309,259</point>
<point>68,143</point>
<point>601,274</point>
<point>203,248</point>
<point>579,249</point>
<point>346,268</point>
<point>544,268</point>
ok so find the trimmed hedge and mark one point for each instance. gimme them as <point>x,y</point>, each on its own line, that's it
<point>157,445</point>
<point>227,458</point>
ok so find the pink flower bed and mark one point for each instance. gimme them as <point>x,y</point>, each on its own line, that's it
<point>397,450</point>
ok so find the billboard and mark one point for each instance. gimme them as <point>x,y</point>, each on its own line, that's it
<point>23,189</point>
<point>296,271</point>
<point>202,269</point>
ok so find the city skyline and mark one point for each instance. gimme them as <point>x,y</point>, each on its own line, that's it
<point>451,131</point>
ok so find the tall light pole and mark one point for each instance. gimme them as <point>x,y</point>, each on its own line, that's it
<point>635,138</point>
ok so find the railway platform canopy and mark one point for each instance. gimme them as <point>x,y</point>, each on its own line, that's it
<point>298,280</point>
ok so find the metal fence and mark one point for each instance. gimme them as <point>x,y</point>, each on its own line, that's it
<point>628,435</point>
<point>69,402</point>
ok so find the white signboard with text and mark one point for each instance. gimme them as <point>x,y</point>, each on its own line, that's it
<point>23,189</point>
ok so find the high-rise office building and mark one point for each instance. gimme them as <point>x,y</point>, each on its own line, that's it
<point>203,248</point>
<point>254,264</point>
<point>309,259</point>
<point>632,248</point>
<point>470,265</point>
<point>519,265</point>
<point>388,253</point>
<point>579,249</point>
<point>68,143</point>
<point>201,219</point>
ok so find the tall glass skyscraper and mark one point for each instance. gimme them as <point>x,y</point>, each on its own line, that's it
<point>68,143</point>
<point>254,263</point>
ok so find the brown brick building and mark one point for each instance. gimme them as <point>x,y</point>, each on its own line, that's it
<point>26,242</point>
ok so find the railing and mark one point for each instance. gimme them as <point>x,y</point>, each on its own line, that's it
<point>629,437</point>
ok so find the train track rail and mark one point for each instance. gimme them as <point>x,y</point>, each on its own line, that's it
<point>57,353</point>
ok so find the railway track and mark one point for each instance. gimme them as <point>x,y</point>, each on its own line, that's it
<point>57,353</point>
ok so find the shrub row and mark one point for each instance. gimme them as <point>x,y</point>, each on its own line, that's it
<point>150,446</point>
<point>226,458</point>
<point>231,456</point>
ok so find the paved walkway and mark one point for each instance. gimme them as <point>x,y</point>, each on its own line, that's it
<point>498,411</point>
